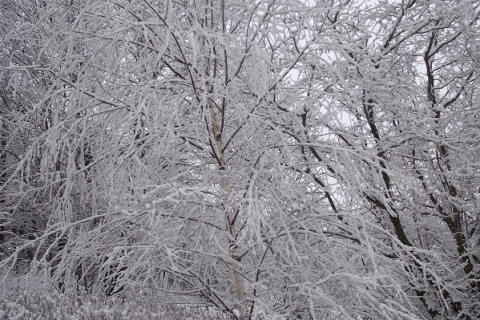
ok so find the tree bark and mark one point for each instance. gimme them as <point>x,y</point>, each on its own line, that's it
<point>236,264</point>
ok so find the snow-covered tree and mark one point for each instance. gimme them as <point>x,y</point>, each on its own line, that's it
<point>304,159</point>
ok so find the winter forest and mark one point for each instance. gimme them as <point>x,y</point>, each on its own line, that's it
<point>266,159</point>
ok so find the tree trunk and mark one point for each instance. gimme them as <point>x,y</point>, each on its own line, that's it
<point>230,214</point>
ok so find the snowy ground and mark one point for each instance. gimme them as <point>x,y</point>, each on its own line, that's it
<point>22,299</point>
